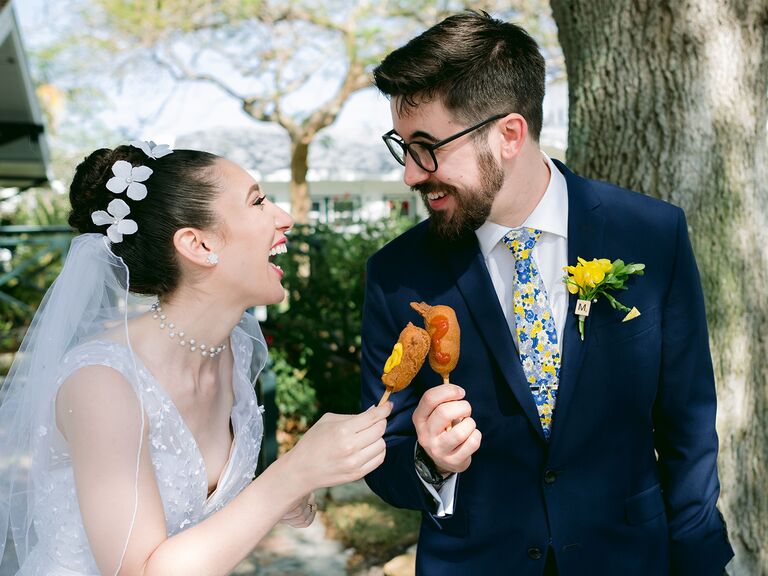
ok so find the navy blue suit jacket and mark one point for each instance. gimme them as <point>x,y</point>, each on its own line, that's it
<point>628,483</point>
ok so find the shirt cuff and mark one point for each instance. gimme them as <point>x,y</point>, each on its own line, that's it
<point>446,497</point>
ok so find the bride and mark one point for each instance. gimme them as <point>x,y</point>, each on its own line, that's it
<point>129,429</point>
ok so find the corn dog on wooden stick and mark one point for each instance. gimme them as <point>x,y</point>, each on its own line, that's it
<point>405,361</point>
<point>445,337</point>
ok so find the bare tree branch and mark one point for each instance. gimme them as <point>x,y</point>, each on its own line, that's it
<point>179,71</point>
<point>275,49</point>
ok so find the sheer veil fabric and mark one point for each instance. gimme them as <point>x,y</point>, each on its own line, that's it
<point>89,300</point>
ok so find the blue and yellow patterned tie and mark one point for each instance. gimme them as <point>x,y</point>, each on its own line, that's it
<point>535,324</point>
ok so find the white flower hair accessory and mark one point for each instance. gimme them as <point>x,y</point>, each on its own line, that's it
<point>117,210</point>
<point>130,177</point>
<point>151,149</point>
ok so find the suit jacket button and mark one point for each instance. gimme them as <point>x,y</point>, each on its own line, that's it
<point>550,476</point>
<point>534,553</point>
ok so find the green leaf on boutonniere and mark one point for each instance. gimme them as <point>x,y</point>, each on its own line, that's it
<point>595,278</point>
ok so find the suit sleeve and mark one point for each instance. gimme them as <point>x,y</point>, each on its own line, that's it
<point>684,422</point>
<point>396,480</point>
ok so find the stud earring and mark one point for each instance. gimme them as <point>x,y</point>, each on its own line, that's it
<point>213,258</point>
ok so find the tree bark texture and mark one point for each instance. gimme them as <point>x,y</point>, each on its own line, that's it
<point>301,202</point>
<point>670,98</point>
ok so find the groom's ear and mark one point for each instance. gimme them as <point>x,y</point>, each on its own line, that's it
<point>194,245</point>
<point>512,132</point>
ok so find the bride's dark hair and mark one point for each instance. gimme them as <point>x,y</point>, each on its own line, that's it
<point>180,191</point>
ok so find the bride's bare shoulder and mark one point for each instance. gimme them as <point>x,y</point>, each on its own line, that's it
<point>97,397</point>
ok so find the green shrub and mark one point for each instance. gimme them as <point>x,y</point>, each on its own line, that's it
<point>295,398</point>
<point>35,260</point>
<point>318,329</point>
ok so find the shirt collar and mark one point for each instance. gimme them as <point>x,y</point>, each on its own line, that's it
<point>550,214</point>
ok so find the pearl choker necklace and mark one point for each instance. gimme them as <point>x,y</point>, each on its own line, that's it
<point>174,332</point>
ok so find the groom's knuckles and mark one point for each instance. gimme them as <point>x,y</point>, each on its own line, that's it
<point>463,430</point>
<point>444,415</point>
<point>468,448</point>
<point>474,440</point>
<point>436,396</point>
<point>464,450</point>
<point>447,412</point>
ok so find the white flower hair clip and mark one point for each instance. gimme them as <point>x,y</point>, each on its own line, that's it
<point>117,210</point>
<point>151,149</point>
<point>130,177</point>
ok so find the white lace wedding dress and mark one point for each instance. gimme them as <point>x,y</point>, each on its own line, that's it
<point>62,548</point>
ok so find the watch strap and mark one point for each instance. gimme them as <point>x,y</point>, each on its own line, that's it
<point>428,470</point>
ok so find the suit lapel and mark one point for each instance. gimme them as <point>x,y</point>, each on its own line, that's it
<point>465,261</point>
<point>585,240</point>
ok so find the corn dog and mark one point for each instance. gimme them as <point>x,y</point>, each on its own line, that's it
<point>443,327</point>
<point>406,360</point>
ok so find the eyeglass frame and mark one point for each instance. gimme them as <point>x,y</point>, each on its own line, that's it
<point>406,146</point>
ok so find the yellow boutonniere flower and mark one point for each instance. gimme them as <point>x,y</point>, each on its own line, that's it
<point>595,278</point>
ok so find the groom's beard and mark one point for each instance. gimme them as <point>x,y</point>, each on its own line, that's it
<point>472,206</point>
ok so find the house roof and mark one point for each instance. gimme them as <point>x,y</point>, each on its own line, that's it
<point>23,151</point>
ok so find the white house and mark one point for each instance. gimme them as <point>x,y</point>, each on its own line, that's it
<point>350,180</point>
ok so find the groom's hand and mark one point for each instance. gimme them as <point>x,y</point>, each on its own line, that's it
<point>445,428</point>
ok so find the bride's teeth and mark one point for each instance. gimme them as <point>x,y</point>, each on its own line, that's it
<point>279,249</point>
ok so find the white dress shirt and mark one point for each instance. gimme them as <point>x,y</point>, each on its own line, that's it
<point>550,255</point>
<point>550,252</point>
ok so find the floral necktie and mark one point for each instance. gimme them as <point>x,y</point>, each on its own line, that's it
<point>535,326</point>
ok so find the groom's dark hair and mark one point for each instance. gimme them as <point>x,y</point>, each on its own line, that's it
<point>475,65</point>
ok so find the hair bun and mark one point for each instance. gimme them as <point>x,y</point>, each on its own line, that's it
<point>88,191</point>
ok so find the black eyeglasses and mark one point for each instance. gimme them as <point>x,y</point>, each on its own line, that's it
<point>421,152</point>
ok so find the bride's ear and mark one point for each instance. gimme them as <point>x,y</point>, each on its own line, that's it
<point>195,246</point>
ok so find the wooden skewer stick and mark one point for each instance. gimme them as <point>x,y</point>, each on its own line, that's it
<point>385,396</point>
<point>447,380</point>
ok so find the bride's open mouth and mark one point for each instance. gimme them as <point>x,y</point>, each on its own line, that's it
<point>277,249</point>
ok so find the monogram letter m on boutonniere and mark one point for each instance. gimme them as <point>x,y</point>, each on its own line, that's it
<point>597,278</point>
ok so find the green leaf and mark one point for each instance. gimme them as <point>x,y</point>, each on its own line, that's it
<point>615,303</point>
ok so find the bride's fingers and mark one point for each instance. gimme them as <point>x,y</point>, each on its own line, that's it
<point>295,513</point>
<point>302,515</point>
<point>299,508</point>
<point>305,516</point>
<point>370,452</point>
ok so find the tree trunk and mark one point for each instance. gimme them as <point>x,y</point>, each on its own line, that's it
<point>300,199</point>
<point>668,97</point>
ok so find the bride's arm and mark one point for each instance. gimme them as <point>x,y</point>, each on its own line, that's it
<point>100,415</point>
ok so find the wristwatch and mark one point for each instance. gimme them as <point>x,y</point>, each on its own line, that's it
<point>427,469</point>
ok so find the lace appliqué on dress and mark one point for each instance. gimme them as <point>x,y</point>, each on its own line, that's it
<point>62,547</point>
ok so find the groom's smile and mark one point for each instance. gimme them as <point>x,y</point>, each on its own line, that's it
<point>463,177</point>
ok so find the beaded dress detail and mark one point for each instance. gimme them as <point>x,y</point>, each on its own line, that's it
<point>62,548</point>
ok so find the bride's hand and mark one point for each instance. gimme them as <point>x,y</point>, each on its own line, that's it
<point>341,448</point>
<point>303,513</point>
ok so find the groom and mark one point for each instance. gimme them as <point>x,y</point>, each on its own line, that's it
<point>547,454</point>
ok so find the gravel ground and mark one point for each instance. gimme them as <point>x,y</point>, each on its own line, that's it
<point>286,551</point>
